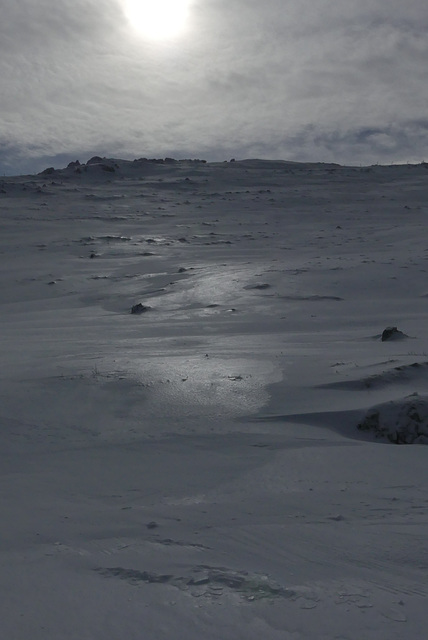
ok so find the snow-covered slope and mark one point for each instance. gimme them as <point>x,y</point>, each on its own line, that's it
<point>211,467</point>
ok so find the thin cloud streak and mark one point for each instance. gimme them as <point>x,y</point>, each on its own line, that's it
<point>290,79</point>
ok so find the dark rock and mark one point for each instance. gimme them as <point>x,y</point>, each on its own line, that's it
<point>47,172</point>
<point>140,308</point>
<point>95,160</point>
<point>260,287</point>
<point>392,333</point>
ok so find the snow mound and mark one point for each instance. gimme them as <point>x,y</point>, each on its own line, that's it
<point>403,421</point>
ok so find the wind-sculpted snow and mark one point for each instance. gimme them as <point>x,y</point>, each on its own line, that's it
<point>405,374</point>
<point>197,410</point>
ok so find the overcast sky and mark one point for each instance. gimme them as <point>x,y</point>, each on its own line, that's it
<point>306,80</point>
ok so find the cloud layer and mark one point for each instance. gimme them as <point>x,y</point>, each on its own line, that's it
<point>293,79</point>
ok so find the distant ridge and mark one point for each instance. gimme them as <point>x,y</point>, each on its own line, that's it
<point>100,165</point>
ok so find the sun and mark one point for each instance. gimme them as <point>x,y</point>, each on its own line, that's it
<point>157,19</point>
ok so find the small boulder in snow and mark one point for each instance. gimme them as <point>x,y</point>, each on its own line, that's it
<point>392,333</point>
<point>139,308</point>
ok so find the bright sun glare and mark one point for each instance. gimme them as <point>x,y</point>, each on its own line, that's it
<point>157,19</point>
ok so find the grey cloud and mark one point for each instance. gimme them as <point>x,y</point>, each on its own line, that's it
<point>282,78</point>
<point>403,143</point>
<point>37,24</point>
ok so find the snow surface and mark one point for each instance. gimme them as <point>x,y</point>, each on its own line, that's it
<point>196,471</point>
